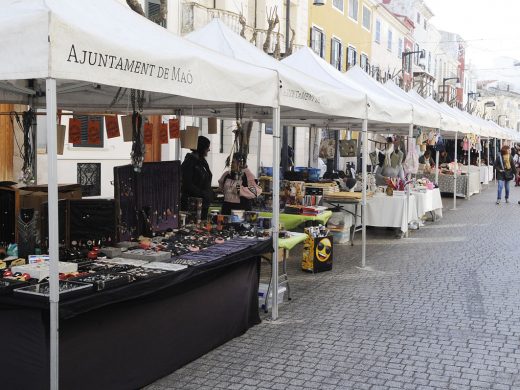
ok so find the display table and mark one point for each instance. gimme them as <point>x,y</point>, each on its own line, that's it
<point>382,211</point>
<point>446,183</point>
<point>128,337</point>
<point>293,221</point>
<point>428,201</point>
<point>285,244</point>
<point>486,174</point>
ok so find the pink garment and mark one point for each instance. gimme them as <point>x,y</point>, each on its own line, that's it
<point>411,163</point>
<point>465,144</point>
<point>233,189</point>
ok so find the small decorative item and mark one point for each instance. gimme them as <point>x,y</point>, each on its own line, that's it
<point>389,191</point>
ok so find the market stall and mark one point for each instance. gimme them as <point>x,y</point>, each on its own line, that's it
<point>83,55</point>
<point>128,336</point>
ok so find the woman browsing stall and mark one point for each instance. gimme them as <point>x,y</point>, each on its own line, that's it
<point>238,186</point>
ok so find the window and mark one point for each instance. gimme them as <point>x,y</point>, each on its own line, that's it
<point>378,31</point>
<point>84,119</point>
<point>429,62</point>
<point>89,176</point>
<point>418,18</point>
<point>318,41</point>
<point>400,48</point>
<point>367,18</point>
<point>425,24</point>
<point>417,55</point>
<point>351,57</point>
<point>153,11</point>
<point>335,53</point>
<point>407,62</point>
<point>363,62</point>
<point>353,9</point>
<point>338,4</point>
<point>389,42</point>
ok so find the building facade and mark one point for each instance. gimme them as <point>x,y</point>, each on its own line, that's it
<point>391,36</point>
<point>340,31</point>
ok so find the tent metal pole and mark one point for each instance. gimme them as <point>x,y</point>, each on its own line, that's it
<point>455,164</point>
<point>364,194</point>
<point>259,150</point>
<point>494,172</point>
<point>310,148</point>
<point>52,167</point>
<point>487,161</point>
<point>408,178</point>
<point>437,164</point>
<point>467,176</point>
<point>276,208</point>
<point>479,164</point>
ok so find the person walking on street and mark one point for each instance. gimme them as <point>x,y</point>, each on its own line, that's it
<point>505,171</point>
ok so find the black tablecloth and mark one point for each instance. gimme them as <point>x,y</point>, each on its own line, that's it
<point>128,337</point>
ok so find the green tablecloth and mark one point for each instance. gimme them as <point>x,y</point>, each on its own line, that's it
<point>292,221</point>
<point>291,242</point>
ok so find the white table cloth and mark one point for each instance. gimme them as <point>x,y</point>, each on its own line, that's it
<point>486,174</point>
<point>427,201</point>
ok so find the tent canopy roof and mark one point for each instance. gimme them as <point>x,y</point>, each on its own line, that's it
<point>379,108</point>
<point>106,43</point>
<point>298,90</point>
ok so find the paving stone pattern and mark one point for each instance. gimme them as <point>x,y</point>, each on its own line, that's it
<point>438,310</point>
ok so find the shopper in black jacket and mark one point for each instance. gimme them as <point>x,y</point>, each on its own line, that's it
<point>505,171</point>
<point>196,177</point>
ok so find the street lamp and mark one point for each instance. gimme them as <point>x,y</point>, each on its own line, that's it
<point>404,54</point>
<point>457,85</point>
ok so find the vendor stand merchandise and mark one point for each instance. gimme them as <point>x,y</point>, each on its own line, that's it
<point>221,282</point>
<point>317,250</point>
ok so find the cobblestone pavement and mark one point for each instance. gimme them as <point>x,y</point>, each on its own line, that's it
<point>440,309</point>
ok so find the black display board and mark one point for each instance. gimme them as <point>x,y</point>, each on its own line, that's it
<point>8,215</point>
<point>147,201</point>
<point>83,220</point>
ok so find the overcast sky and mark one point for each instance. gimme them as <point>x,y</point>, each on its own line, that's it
<point>491,28</point>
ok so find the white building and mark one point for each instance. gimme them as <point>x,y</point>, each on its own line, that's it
<point>388,44</point>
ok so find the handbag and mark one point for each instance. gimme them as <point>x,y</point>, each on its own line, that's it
<point>509,174</point>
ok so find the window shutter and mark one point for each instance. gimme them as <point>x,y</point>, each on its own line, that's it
<point>84,129</point>
<point>323,44</point>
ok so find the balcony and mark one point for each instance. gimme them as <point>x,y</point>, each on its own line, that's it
<point>195,16</point>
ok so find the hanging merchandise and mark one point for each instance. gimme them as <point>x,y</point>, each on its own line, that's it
<point>212,125</point>
<point>93,132</point>
<point>465,144</point>
<point>138,147</point>
<point>28,147</point>
<point>163,133</point>
<point>348,148</point>
<point>440,146</point>
<point>74,131</point>
<point>432,138</point>
<point>112,125</point>
<point>60,138</point>
<point>421,140</point>
<point>327,148</point>
<point>148,133</point>
<point>411,164</point>
<point>175,128</point>
<point>126,125</point>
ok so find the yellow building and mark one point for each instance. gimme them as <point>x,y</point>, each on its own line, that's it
<point>341,32</point>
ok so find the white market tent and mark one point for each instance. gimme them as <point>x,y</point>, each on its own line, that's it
<point>422,114</point>
<point>379,108</point>
<point>303,96</point>
<point>77,44</point>
<point>448,122</point>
